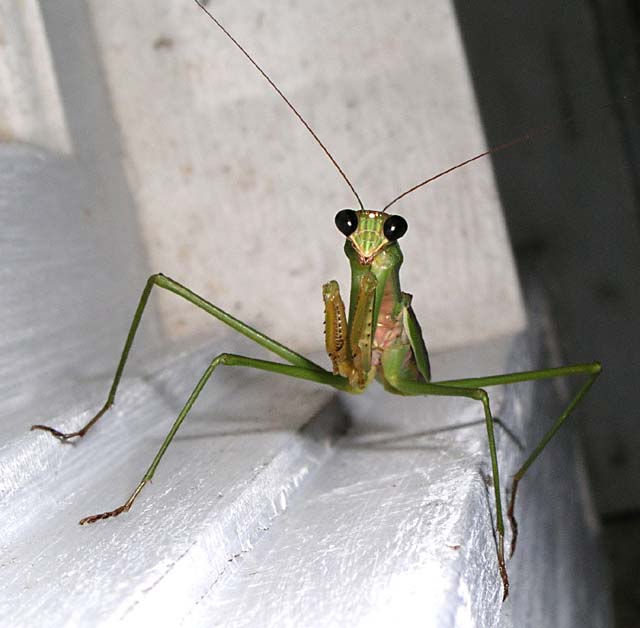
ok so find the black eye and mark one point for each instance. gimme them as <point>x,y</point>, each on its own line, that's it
<point>347,221</point>
<point>394,228</point>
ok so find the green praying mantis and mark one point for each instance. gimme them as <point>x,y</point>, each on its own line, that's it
<point>378,338</point>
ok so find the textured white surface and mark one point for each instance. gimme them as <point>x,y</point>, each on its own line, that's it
<point>389,532</point>
<point>237,201</point>
<point>230,470</point>
<point>396,527</point>
<point>391,524</point>
<point>65,295</point>
<point>30,106</point>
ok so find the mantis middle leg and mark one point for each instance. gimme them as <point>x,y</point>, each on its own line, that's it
<point>299,367</point>
<point>169,284</point>
<point>592,370</point>
<point>474,389</point>
<point>471,392</point>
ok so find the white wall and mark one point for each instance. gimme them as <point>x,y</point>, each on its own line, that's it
<point>234,198</point>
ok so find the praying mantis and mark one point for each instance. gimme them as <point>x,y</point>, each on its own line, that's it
<point>378,337</point>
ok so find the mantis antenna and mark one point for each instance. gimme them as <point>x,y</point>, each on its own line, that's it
<point>490,151</point>
<point>286,100</point>
<point>533,133</point>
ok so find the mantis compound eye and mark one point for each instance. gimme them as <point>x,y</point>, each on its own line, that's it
<point>346,221</point>
<point>394,228</point>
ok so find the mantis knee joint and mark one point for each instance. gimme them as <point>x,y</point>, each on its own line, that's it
<point>222,358</point>
<point>156,278</point>
<point>482,395</point>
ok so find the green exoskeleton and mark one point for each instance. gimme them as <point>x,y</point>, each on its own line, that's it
<point>379,338</point>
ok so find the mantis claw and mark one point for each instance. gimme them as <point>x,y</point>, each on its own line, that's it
<point>505,581</point>
<point>61,436</point>
<point>104,515</point>
<point>503,568</point>
<point>66,436</point>
<point>116,511</point>
<point>512,518</point>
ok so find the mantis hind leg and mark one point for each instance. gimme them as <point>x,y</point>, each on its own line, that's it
<point>592,369</point>
<point>173,286</point>
<point>299,367</point>
<point>227,359</point>
<point>472,392</point>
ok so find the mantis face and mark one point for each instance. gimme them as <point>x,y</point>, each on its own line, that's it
<point>369,231</point>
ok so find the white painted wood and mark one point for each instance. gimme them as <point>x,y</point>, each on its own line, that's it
<point>395,528</point>
<point>232,468</point>
<point>390,531</point>
<point>64,305</point>
<point>30,106</point>
<point>236,200</point>
<point>390,524</point>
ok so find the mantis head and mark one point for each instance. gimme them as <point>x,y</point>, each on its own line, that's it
<point>369,231</point>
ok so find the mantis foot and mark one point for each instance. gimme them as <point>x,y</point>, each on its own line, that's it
<point>66,436</point>
<point>512,518</point>
<point>105,515</point>
<point>505,579</point>
<point>117,511</point>
<point>503,568</point>
<point>61,436</point>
